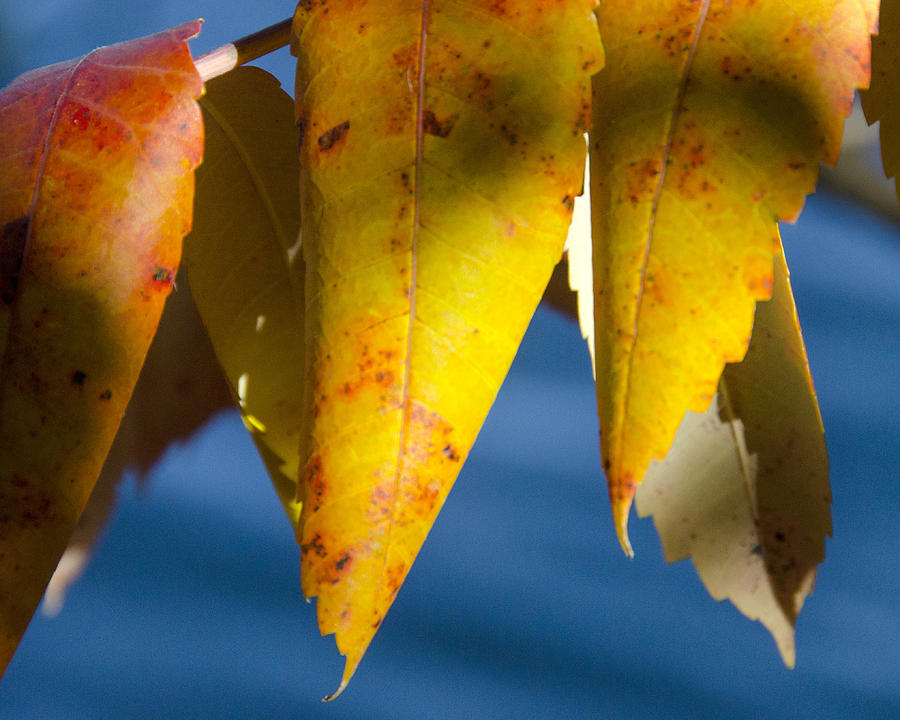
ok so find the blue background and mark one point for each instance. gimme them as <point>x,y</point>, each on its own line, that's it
<point>521,604</point>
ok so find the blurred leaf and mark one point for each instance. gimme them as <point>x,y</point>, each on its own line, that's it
<point>245,273</point>
<point>881,102</point>
<point>710,121</point>
<point>96,186</point>
<point>180,387</point>
<point>744,489</point>
<point>442,151</point>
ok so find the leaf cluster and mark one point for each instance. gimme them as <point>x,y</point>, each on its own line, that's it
<point>364,330</point>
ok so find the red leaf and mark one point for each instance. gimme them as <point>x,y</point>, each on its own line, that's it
<point>96,191</point>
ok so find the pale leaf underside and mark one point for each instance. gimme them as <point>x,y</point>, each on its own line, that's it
<point>744,489</point>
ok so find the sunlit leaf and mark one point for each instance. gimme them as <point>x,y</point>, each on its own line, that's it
<point>442,151</point>
<point>710,121</point>
<point>96,186</point>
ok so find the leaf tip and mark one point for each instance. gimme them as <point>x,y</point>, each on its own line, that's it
<point>784,641</point>
<point>349,670</point>
<point>620,518</point>
<point>329,698</point>
<point>621,495</point>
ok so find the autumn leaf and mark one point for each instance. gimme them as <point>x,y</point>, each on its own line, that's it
<point>96,186</point>
<point>442,149</point>
<point>179,389</point>
<point>744,489</point>
<point>243,265</point>
<point>710,120</point>
<point>881,102</point>
<point>181,385</point>
<point>579,268</point>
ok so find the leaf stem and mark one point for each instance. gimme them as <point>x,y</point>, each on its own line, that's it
<point>227,57</point>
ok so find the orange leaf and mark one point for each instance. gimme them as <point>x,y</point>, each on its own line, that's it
<point>710,120</point>
<point>96,186</point>
<point>443,147</point>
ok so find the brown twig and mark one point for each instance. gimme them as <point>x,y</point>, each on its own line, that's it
<point>227,57</point>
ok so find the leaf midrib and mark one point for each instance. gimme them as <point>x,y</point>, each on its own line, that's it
<point>654,207</point>
<point>405,398</point>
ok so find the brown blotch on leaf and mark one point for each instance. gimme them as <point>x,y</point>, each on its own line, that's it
<point>330,138</point>
<point>441,128</point>
<point>450,453</point>
<point>395,575</point>
<point>315,483</point>
<point>316,546</point>
<point>405,57</point>
<point>163,276</point>
<point>622,489</point>
<point>301,130</point>
<point>12,253</point>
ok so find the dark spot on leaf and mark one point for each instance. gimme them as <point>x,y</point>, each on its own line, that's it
<point>450,453</point>
<point>431,125</point>
<point>330,138</point>
<point>315,483</point>
<point>78,377</point>
<point>12,252</point>
<point>162,275</point>
<point>301,129</point>
<point>316,546</point>
<point>106,395</point>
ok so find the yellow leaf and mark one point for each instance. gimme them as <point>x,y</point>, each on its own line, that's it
<point>881,102</point>
<point>441,155</point>
<point>580,266</point>
<point>245,274</point>
<point>710,120</point>
<point>744,489</point>
<point>96,184</point>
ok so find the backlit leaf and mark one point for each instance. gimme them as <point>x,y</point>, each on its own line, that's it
<point>710,121</point>
<point>246,281</point>
<point>442,151</point>
<point>744,489</point>
<point>881,102</point>
<point>580,266</point>
<point>96,185</point>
